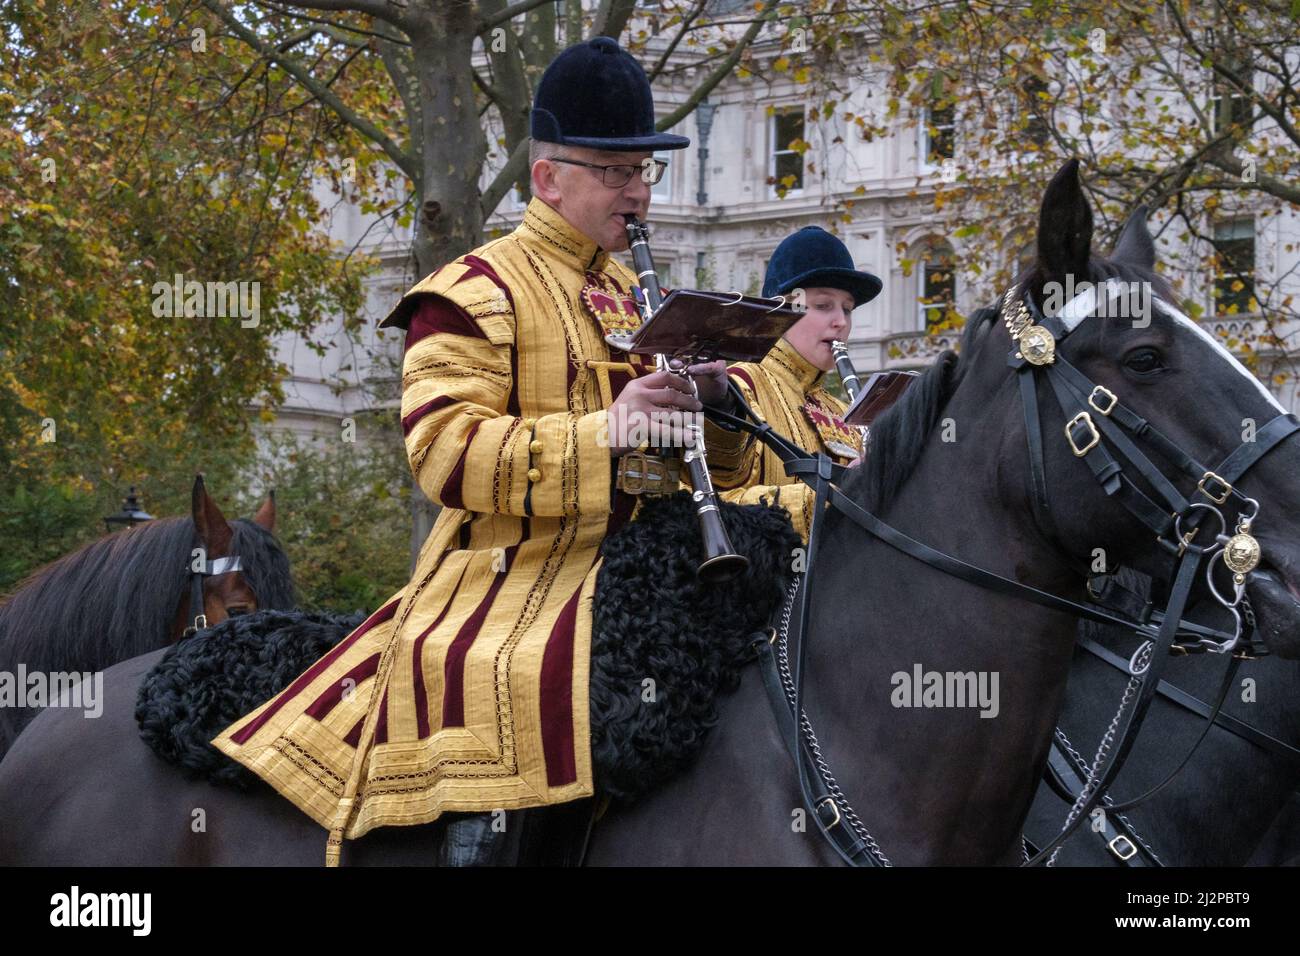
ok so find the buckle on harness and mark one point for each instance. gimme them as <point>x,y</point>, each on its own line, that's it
<point>641,473</point>
<point>834,806</point>
<point>1110,407</point>
<point>1211,476</point>
<point>1127,845</point>
<point>1083,418</point>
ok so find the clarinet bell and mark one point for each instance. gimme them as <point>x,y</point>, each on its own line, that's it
<point>721,563</point>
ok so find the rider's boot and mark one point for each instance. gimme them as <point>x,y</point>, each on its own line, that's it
<point>475,839</point>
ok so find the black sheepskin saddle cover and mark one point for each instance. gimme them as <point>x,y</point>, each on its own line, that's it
<point>665,648</point>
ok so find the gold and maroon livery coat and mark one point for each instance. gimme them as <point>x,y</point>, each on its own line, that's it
<point>785,390</point>
<point>467,690</point>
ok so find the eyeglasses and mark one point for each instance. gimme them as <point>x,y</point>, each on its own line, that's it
<point>620,174</point>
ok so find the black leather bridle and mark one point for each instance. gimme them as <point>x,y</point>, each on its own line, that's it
<point>198,571</point>
<point>1095,417</point>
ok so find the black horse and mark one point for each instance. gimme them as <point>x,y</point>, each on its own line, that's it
<point>129,592</point>
<point>934,785</point>
<point>1231,805</point>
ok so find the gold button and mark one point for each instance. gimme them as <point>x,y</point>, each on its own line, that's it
<point>535,447</point>
<point>534,474</point>
<point>529,422</point>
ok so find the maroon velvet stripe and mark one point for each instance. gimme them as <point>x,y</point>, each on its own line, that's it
<point>451,488</point>
<point>442,401</point>
<point>354,735</point>
<point>478,266</point>
<point>381,725</point>
<point>618,380</point>
<point>512,401</point>
<point>624,505</point>
<point>435,314</point>
<point>421,694</point>
<point>453,694</point>
<point>556,697</point>
<point>385,613</point>
<point>326,702</point>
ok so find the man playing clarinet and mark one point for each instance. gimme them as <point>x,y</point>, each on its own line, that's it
<point>466,693</point>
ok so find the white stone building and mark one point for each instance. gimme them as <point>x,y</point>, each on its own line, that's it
<point>716,222</point>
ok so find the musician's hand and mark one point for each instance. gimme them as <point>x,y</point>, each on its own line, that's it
<point>651,408</point>
<point>711,381</point>
<point>855,462</point>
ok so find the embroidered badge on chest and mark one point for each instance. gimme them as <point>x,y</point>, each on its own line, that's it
<point>616,312</point>
<point>840,439</point>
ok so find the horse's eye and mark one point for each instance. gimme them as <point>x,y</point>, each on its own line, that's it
<point>1143,361</point>
<point>235,610</point>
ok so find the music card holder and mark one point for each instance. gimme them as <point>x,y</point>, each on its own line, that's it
<point>703,326</point>
<point>880,392</point>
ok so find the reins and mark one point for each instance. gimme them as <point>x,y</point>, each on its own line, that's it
<point>1176,524</point>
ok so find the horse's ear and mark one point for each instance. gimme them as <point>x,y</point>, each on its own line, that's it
<point>1135,245</point>
<point>1065,227</point>
<point>214,531</point>
<point>265,516</point>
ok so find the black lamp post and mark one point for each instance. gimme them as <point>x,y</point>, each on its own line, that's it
<point>130,515</point>
<point>704,120</point>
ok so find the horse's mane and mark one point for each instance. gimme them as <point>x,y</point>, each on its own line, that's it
<point>898,437</point>
<point>116,597</point>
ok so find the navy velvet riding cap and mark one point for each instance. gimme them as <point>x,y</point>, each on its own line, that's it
<point>595,94</point>
<point>813,258</point>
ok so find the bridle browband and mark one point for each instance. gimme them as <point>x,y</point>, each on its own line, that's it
<point>207,569</point>
<point>1176,524</point>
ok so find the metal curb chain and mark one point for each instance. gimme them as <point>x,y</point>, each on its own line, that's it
<point>832,787</point>
<point>1106,798</point>
<point>1085,793</point>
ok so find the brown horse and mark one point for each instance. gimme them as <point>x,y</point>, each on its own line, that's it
<point>130,592</point>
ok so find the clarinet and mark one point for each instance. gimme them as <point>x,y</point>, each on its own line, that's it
<point>721,562</point>
<point>849,376</point>
<point>845,366</point>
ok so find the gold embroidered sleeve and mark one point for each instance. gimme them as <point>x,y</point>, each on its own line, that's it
<point>466,452</point>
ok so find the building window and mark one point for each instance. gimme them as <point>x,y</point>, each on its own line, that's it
<point>937,131</point>
<point>1234,274</point>
<point>785,170</point>
<point>938,286</point>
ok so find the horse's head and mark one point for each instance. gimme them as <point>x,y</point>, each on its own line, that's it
<point>1136,357</point>
<point>230,593</point>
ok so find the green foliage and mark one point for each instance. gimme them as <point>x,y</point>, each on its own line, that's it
<point>40,524</point>
<point>342,513</point>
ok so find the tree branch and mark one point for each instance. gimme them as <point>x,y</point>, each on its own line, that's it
<point>509,13</point>
<point>404,161</point>
<point>390,11</point>
<point>721,72</point>
<point>612,17</point>
<point>501,183</point>
<point>686,23</point>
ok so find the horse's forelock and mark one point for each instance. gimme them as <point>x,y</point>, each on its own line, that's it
<point>265,565</point>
